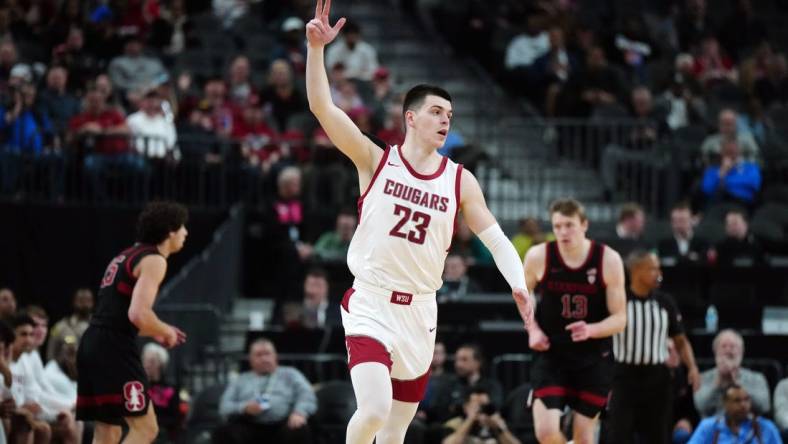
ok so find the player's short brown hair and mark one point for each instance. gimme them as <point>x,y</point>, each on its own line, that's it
<point>416,95</point>
<point>568,207</point>
<point>158,220</point>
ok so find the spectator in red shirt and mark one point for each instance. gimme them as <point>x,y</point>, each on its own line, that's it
<point>102,131</point>
<point>712,66</point>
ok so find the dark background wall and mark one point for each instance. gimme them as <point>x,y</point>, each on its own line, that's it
<point>47,252</point>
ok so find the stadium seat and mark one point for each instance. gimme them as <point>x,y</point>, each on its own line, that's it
<point>204,416</point>
<point>335,405</point>
<point>511,370</point>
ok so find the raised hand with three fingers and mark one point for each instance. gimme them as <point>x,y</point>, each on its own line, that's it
<point>319,31</point>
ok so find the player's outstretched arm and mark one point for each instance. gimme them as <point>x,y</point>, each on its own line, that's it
<point>152,269</point>
<point>339,127</point>
<point>482,222</point>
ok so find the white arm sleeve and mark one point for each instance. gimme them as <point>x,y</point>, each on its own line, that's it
<point>506,258</point>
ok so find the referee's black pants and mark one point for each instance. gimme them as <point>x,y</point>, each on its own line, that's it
<point>640,405</point>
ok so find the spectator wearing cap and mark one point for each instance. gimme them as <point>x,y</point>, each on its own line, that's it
<point>154,133</point>
<point>292,46</point>
<point>133,71</point>
<point>357,56</point>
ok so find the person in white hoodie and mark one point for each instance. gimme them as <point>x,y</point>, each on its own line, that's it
<point>30,383</point>
<point>153,131</point>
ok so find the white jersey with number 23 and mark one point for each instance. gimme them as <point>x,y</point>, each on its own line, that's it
<point>406,223</point>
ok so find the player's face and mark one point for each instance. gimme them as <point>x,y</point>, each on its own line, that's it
<point>432,121</point>
<point>569,230</point>
<point>178,238</point>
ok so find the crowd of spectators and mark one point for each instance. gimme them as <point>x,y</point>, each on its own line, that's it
<point>91,92</point>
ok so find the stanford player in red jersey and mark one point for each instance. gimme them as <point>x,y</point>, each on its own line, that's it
<point>582,303</point>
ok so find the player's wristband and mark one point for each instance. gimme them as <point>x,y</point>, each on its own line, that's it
<point>506,258</point>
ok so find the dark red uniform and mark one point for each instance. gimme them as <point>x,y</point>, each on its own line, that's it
<point>575,373</point>
<point>111,382</point>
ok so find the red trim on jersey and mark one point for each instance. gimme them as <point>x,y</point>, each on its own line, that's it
<point>418,175</point>
<point>410,390</point>
<point>457,196</point>
<point>99,400</point>
<point>601,265</point>
<point>375,175</point>
<point>361,349</point>
<point>585,262</point>
<point>346,299</point>
<point>546,261</point>
<point>129,260</point>
<point>125,288</point>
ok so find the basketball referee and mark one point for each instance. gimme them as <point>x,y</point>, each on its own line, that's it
<point>641,399</point>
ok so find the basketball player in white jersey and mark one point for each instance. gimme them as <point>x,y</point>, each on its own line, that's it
<point>410,199</point>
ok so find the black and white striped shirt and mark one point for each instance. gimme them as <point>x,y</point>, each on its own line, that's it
<point>651,321</point>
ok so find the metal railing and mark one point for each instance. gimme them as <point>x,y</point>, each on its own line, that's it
<point>595,160</point>
<point>103,170</point>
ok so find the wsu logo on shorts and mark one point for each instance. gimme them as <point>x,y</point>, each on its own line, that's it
<point>134,393</point>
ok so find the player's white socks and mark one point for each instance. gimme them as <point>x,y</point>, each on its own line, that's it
<point>372,385</point>
<point>393,432</point>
